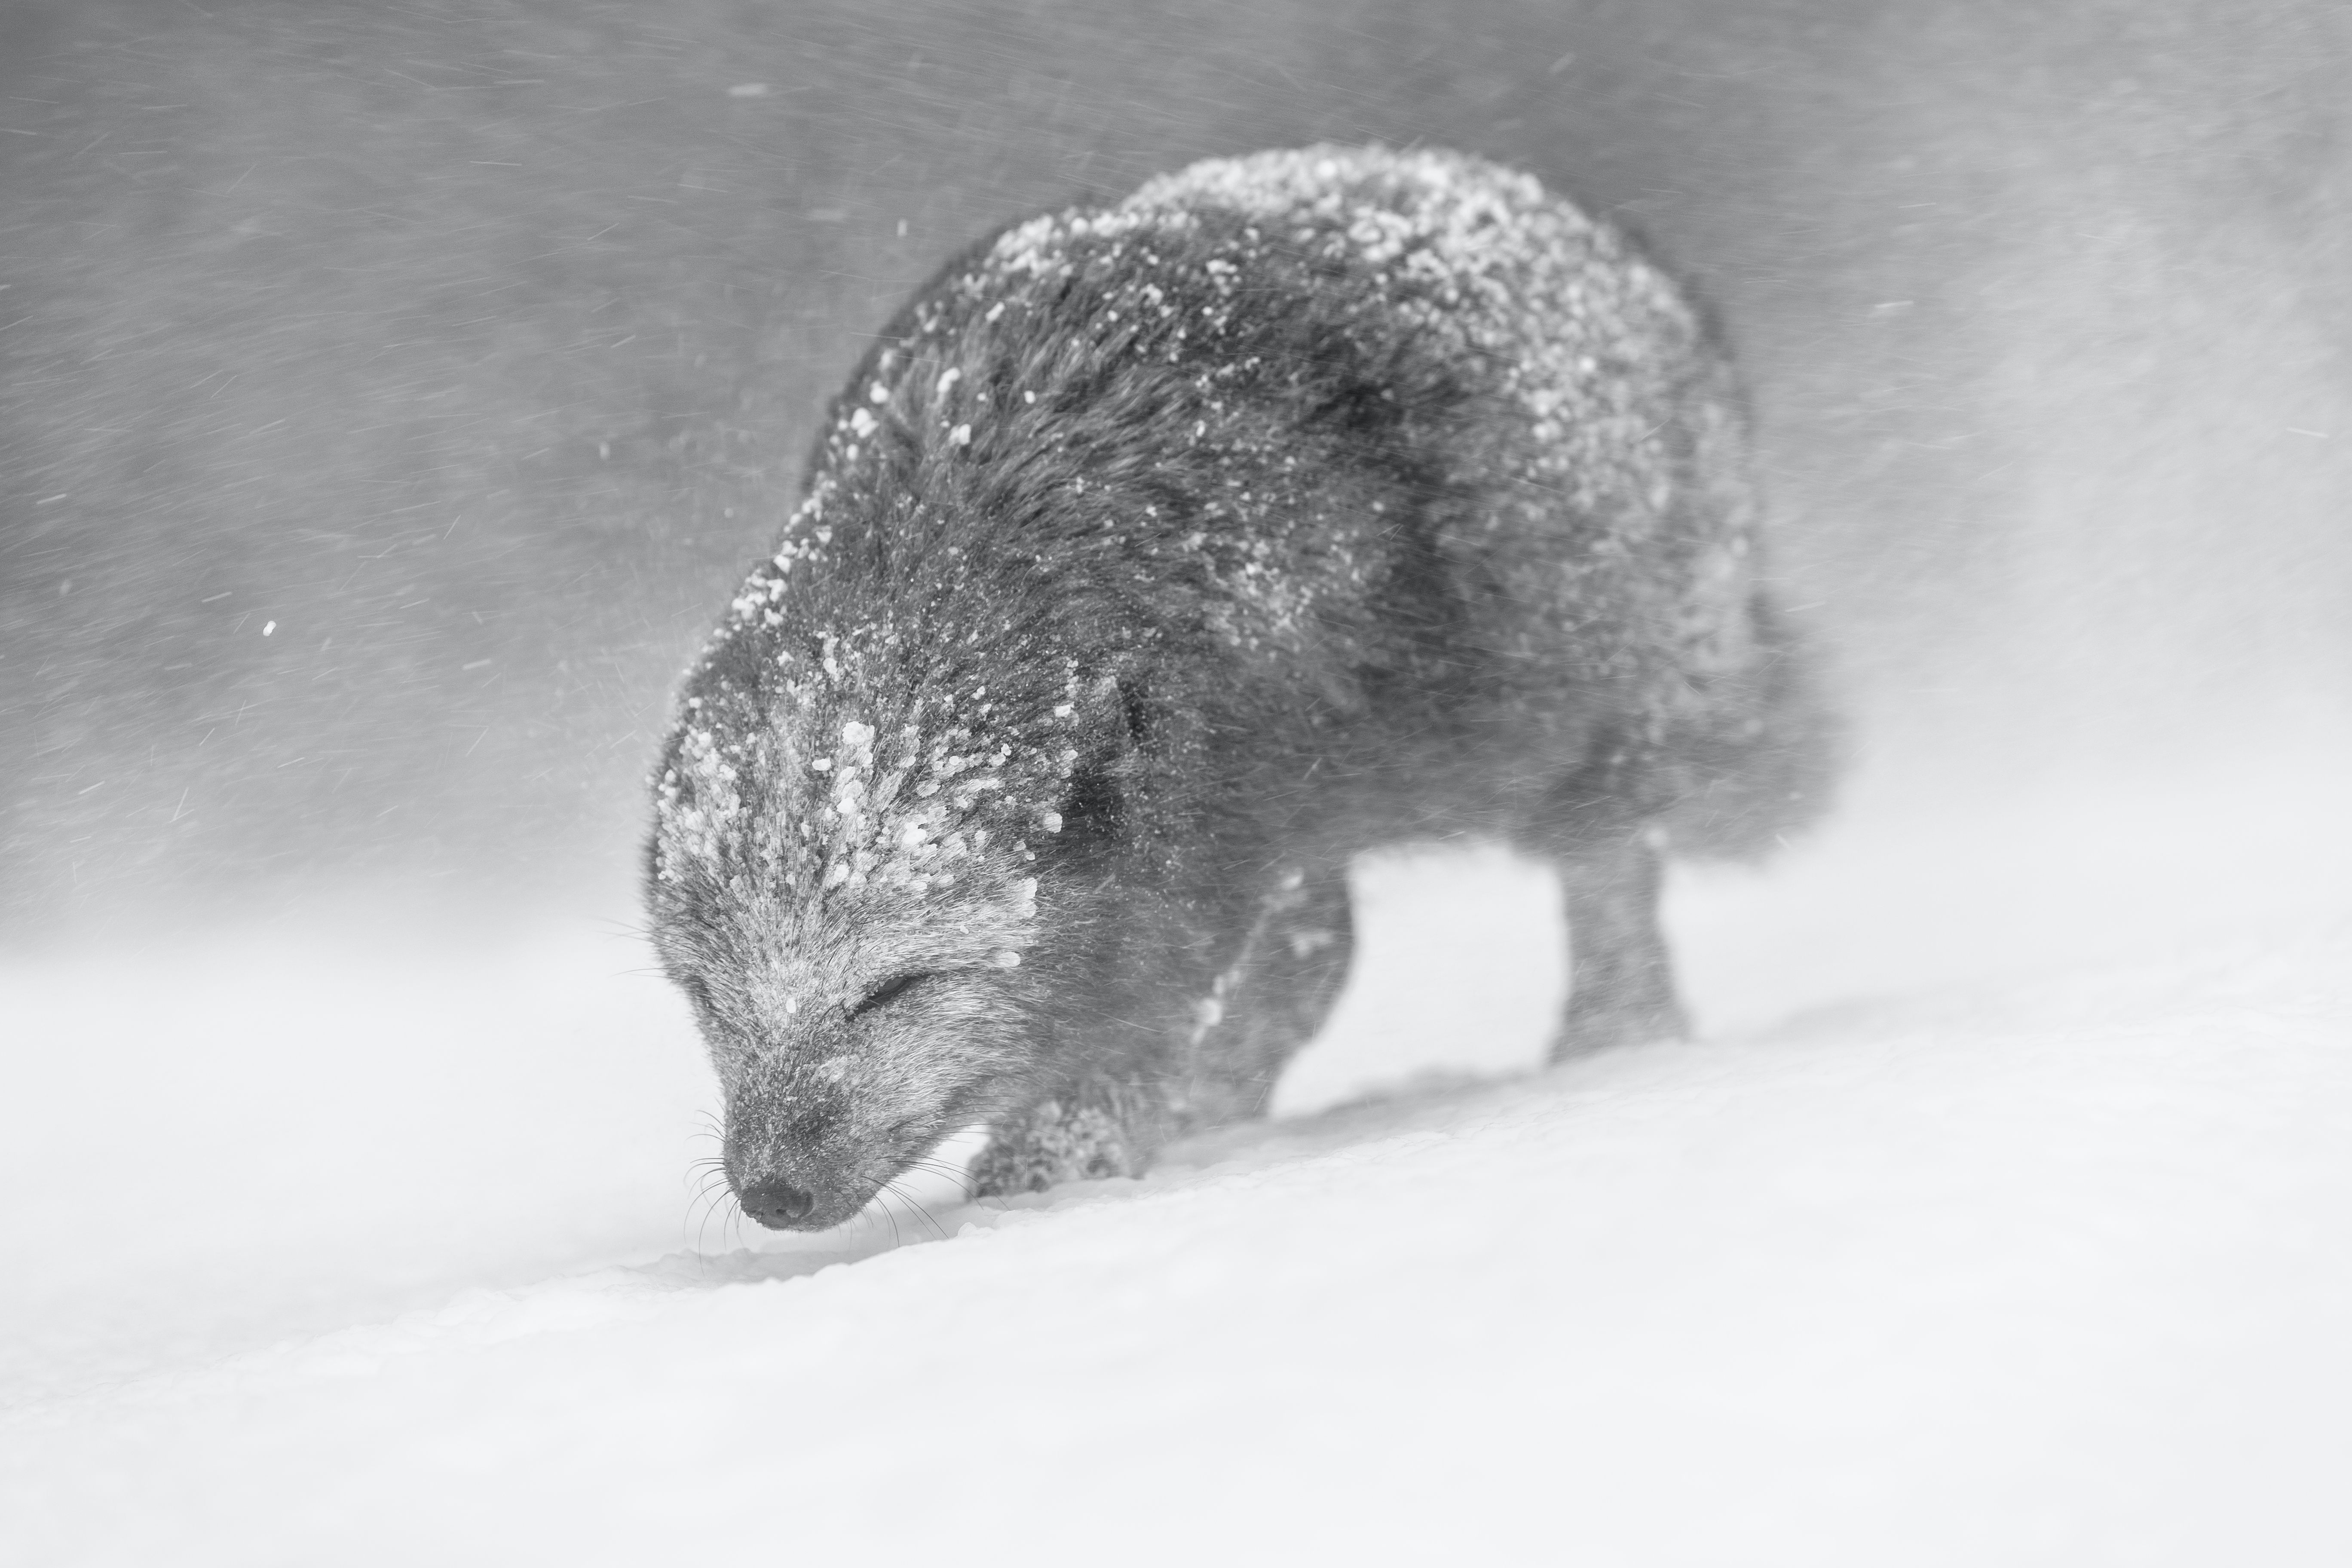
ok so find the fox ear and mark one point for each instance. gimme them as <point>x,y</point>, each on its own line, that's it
<point>1115,713</point>
<point>1134,708</point>
<point>1094,804</point>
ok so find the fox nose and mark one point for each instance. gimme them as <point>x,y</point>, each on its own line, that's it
<point>776,1202</point>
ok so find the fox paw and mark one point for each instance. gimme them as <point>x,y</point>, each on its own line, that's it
<point>1057,1142</point>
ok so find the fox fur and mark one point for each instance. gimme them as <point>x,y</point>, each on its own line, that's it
<point>1160,558</point>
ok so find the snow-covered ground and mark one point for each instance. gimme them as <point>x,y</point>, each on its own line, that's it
<point>2003,1214</point>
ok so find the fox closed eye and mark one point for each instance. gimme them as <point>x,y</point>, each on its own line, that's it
<point>889,991</point>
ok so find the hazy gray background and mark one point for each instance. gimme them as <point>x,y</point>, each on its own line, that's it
<point>477,347</point>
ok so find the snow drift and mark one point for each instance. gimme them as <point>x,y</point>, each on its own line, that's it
<point>2019,1264</point>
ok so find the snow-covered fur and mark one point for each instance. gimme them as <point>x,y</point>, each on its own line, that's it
<point>1160,558</point>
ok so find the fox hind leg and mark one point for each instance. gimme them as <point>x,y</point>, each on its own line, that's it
<point>1621,979</point>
